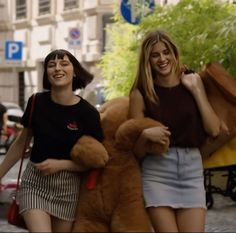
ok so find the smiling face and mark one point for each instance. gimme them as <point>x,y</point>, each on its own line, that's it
<point>60,72</point>
<point>161,59</point>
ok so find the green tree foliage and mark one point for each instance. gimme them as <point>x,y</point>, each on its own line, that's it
<point>204,30</point>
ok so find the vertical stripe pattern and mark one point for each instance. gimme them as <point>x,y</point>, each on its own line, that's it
<point>56,194</point>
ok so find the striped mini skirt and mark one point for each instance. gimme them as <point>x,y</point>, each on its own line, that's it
<point>56,194</point>
<point>174,179</point>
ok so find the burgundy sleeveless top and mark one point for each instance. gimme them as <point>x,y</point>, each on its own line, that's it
<point>178,110</point>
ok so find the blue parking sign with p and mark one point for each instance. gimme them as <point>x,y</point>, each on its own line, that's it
<point>13,50</point>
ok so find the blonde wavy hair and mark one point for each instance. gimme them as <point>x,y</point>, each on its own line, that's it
<point>145,75</point>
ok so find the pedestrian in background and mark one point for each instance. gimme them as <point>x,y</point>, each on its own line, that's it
<point>50,183</point>
<point>3,122</point>
<point>172,182</point>
<point>3,126</point>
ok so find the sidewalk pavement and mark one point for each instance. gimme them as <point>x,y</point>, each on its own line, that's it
<point>220,218</point>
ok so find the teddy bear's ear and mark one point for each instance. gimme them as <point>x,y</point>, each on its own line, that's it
<point>113,113</point>
<point>128,133</point>
<point>89,152</point>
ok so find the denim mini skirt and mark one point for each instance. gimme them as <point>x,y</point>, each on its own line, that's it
<point>174,179</point>
<point>57,194</point>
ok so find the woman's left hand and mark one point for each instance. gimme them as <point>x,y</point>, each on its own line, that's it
<point>192,82</point>
<point>49,166</point>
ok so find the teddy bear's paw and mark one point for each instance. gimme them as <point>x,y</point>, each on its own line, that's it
<point>128,133</point>
<point>157,148</point>
<point>89,152</point>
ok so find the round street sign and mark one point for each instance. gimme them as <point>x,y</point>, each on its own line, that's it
<point>133,10</point>
<point>74,38</point>
<point>74,33</point>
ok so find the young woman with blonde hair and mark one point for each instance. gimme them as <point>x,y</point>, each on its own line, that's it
<point>172,182</point>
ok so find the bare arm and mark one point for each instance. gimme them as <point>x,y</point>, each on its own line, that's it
<point>211,122</point>
<point>158,134</point>
<point>15,152</point>
<point>51,166</point>
<point>136,110</point>
<point>136,105</point>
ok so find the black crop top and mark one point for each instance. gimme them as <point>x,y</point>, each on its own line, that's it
<point>57,127</point>
<point>178,110</point>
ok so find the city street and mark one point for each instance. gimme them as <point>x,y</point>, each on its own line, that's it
<point>220,218</point>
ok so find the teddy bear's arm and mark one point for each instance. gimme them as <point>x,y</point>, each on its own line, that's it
<point>139,147</point>
<point>143,147</point>
<point>89,152</point>
<point>127,136</point>
<point>221,92</point>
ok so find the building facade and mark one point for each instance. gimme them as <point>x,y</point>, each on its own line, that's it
<point>35,27</point>
<point>41,26</point>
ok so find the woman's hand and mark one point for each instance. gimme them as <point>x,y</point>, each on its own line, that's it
<point>192,82</point>
<point>159,134</point>
<point>50,166</point>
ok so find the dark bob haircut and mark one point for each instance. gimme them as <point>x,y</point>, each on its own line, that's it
<point>82,77</point>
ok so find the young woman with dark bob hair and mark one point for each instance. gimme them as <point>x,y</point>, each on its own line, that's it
<point>50,183</point>
<point>172,182</point>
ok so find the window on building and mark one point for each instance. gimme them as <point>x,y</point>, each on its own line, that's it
<point>71,4</point>
<point>107,22</point>
<point>44,7</point>
<point>21,9</point>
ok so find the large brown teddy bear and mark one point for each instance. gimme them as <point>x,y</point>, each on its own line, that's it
<point>221,91</point>
<point>115,202</point>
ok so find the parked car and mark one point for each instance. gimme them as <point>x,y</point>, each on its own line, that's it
<point>94,95</point>
<point>14,112</point>
<point>99,90</point>
<point>8,183</point>
<point>14,127</point>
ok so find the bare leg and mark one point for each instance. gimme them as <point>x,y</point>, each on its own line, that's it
<point>191,220</point>
<point>37,221</point>
<point>163,219</point>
